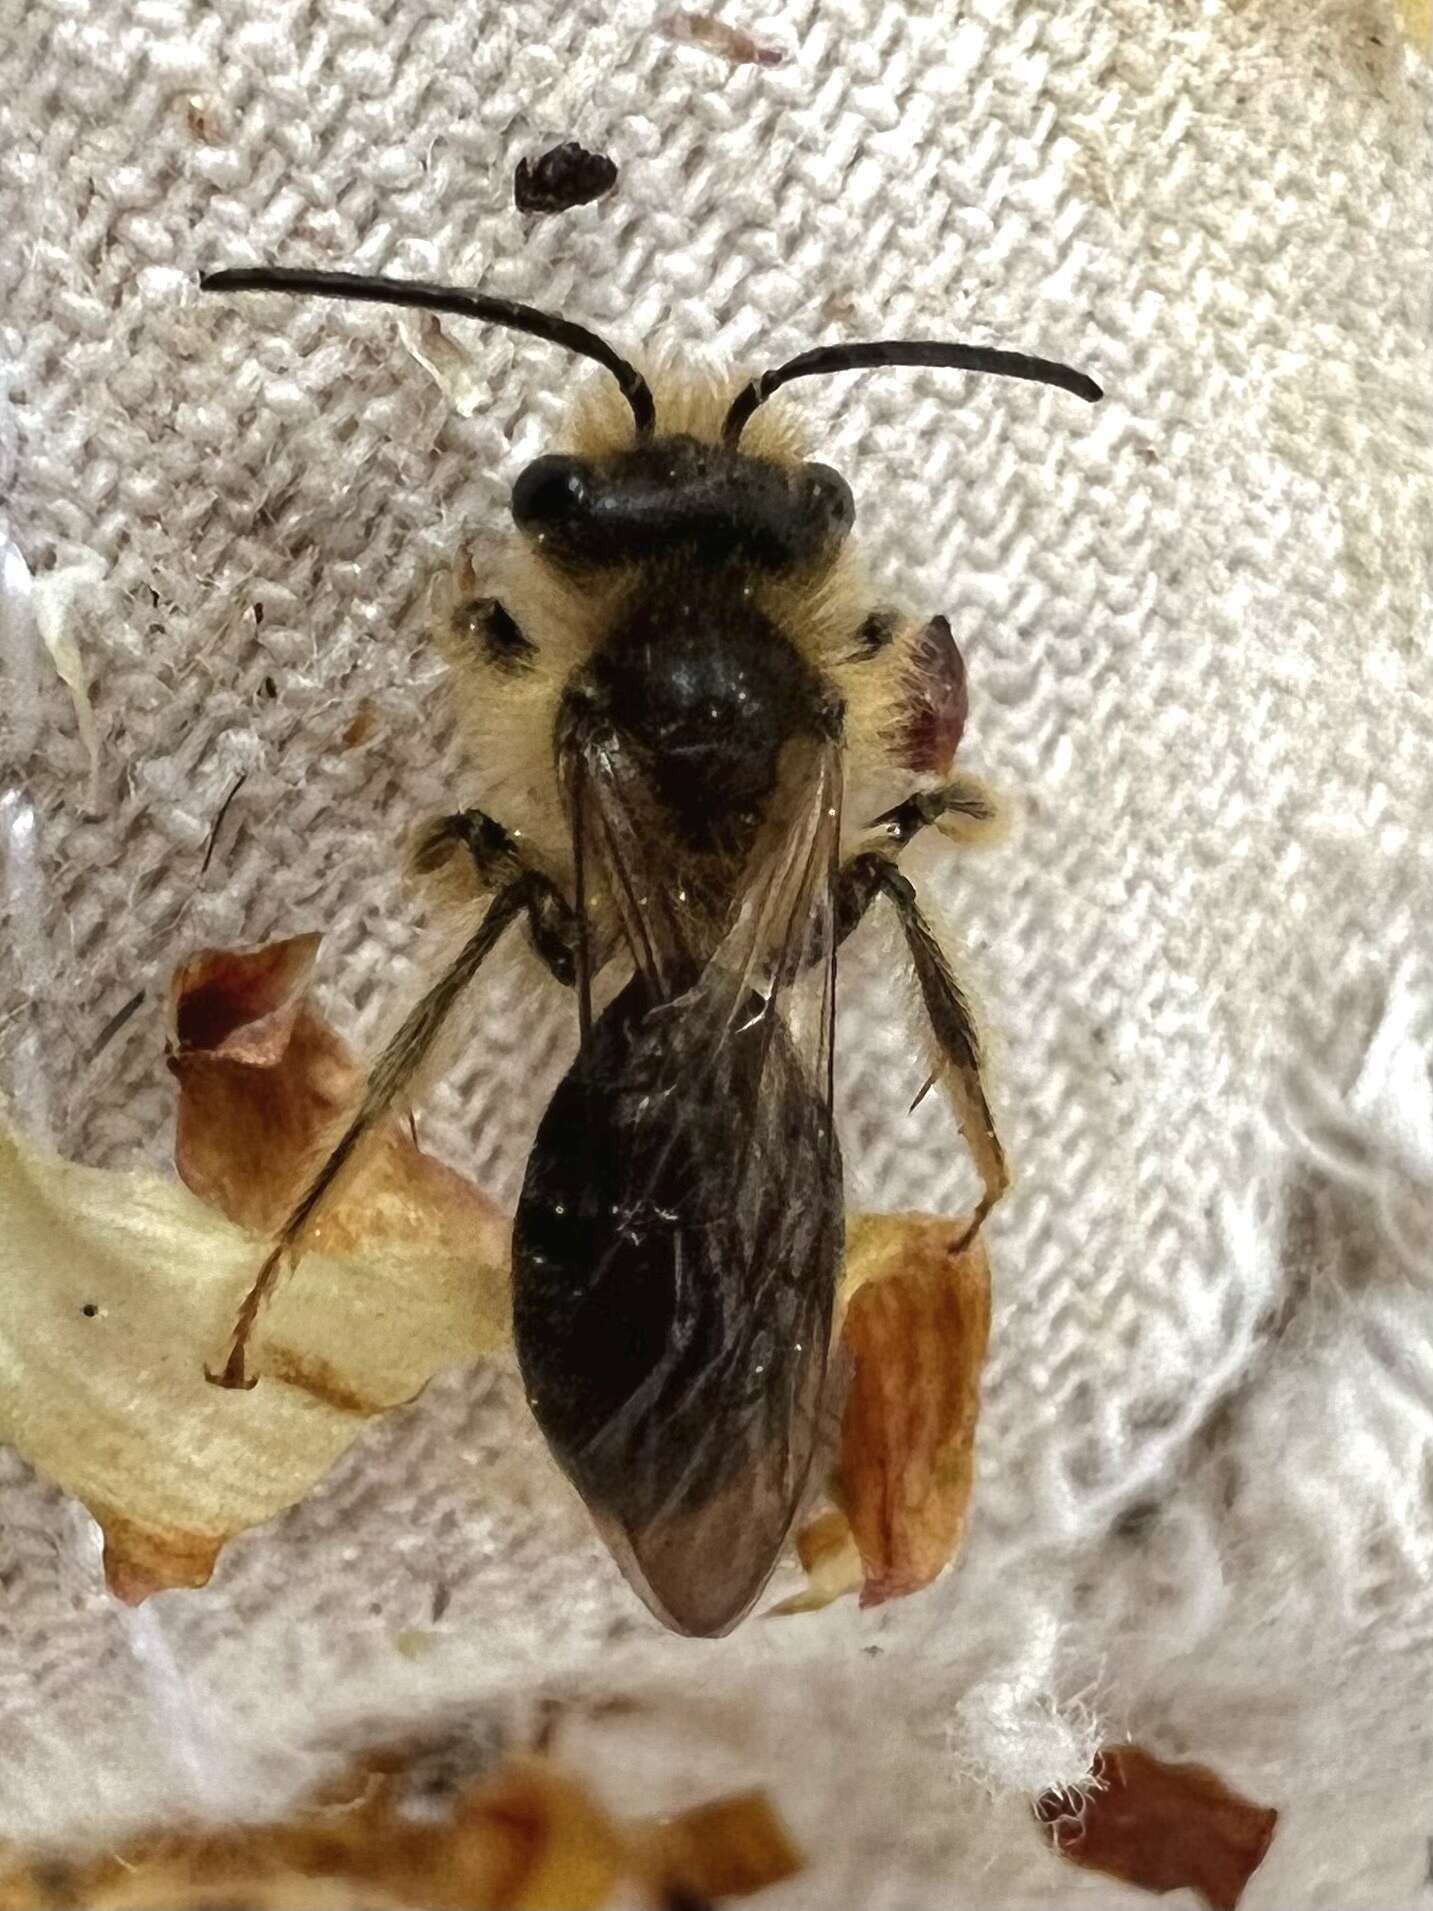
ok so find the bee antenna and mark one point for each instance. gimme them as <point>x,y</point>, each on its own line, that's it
<point>444,298</point>
<point>878,352</point>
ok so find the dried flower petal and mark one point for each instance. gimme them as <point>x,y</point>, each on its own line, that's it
<point>917,1322</point>
<point>241,1004</point>
<point>120,1286</point>
<point>832,1560</point>
<point>527,1839</point>
<point>726,1849</point>
<point>1160,1826</point>
<point>264,1082</point>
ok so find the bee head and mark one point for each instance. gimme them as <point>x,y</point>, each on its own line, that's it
<point>707,504</point>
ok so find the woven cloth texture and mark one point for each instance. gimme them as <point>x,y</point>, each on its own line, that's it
<point>1195,621</point>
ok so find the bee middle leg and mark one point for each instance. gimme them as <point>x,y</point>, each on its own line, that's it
<point>958,1069</point>
<point>963,811</point>
<point>497,861</point>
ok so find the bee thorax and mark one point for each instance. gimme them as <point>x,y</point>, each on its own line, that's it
<point>706,692</point>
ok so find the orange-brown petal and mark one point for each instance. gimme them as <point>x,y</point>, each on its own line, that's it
<point>1160,1826</point>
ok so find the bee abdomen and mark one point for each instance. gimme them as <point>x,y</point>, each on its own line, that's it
<point>675,1256</point>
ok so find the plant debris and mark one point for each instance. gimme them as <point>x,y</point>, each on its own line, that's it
<point>57,597</point>
<point>240,780</point>
<point>561,178</point>
<point>125,1285</point>
<point>118,1021</point>
<point>730,43</point>
<point>1160,1826</point>
<point>1417,19</point>
<point>122,1286</point>
<point>831,1560</point>
<point>362,726</point>
<point>265,1084</point>
<point>916,1323</point>
<point>528,1836</point>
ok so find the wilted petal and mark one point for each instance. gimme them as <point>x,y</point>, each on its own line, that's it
<point>119,1287</point>
<point>528,1839</point>
<point>916,1324</point>
<point>832,1561</point>
<point>265,1085</point>
<point>1160,1826</point>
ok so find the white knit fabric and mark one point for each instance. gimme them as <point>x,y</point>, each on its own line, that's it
<point>1195,621</point>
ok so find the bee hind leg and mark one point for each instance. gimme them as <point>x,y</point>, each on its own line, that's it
<point>957,1042</point>
<point>390,1075</point>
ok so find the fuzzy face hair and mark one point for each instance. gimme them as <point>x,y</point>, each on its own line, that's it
<point>514,665</point>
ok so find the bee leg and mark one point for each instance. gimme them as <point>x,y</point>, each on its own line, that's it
<point>957,1044</point>
<point>492,850</point>
<point>497,860</point>
<point>390,1075</point>
<point>963,810</point>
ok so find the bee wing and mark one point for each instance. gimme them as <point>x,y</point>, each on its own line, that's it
<point>608,821</point>
<point>685,1398</point>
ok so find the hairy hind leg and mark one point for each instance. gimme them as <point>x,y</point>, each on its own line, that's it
<point>390,1075</point>
<point>957,1043</point>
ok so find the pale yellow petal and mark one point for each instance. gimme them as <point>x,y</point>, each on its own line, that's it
<point>118,1288</point>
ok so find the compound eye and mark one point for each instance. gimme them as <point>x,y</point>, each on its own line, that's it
<point>551,492</point>
<point>831,496</point>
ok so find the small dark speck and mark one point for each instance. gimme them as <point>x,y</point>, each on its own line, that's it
<point>89,1310</point>
<point>1375,41</point>
<point>678,1898</point>
<point>561,178</point>
<point>1136,1520</point>
<point>269,688</point>
<point>442,1599</point>
<point>258,613</point>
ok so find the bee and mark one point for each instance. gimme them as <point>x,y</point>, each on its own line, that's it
<point>678,674</point>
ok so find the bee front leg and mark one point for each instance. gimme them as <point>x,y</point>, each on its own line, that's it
<point>957,1043</point>
<point>497,860</point>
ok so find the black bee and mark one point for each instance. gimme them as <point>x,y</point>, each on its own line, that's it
<point>677,670</point>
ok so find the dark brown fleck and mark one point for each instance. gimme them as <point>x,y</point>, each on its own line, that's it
<point>561,178</point>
